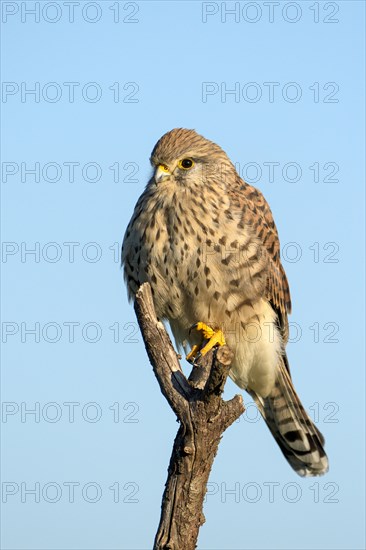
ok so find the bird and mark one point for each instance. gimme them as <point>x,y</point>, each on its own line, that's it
<point>207,243</point>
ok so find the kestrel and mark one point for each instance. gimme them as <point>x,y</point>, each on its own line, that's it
<point>206,242</point>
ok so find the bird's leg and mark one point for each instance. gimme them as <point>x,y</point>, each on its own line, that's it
<point>211,338</point>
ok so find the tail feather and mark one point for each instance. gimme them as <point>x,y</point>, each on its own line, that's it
<point>298,438</point>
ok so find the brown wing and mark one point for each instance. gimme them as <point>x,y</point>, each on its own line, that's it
<point>257,214</point>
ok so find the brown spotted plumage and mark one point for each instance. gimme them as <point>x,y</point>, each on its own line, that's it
<point>206,242</point>
<point>256,212</point>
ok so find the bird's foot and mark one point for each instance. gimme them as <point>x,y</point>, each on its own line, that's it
<point>192,355</point>
<point>211,338</point>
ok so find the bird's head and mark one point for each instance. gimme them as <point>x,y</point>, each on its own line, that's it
<point>184,158</point>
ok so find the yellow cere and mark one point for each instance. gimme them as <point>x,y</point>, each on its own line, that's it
<point>163,167</point>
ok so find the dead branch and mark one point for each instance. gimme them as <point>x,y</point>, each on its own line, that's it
<point>203,417</point>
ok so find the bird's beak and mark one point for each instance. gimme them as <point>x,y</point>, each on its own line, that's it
<point>161,172</point>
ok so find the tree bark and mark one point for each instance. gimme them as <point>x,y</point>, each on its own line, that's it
<point>203,417</point>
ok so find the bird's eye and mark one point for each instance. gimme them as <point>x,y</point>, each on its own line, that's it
<point>186,164</point>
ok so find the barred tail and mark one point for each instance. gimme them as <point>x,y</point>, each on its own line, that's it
<point>298,438</point>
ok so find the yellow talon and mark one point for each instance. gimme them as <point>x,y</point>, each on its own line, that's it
<point>192,354</point>
<point>210,337</point>
<point>207,331</point>
<point>217,339</point>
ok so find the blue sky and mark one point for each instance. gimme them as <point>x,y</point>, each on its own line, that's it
<point>109,78</point>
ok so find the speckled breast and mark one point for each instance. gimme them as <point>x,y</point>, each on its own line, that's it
<point>198,261</point>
